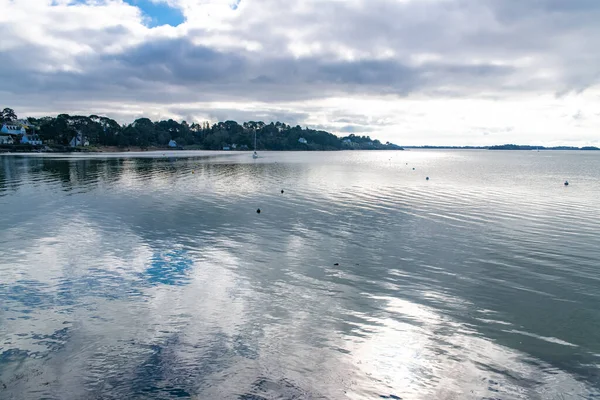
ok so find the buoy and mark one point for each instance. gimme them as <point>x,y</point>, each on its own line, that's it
<point>427,178</point>
<point>336,264</point>
<point>413,168</point>
<point>258,211</point>
<point>566,183</point>
<point>192,172</point>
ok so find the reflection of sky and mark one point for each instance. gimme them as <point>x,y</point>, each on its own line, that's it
<point>145,278</point>
<point>169,267</point>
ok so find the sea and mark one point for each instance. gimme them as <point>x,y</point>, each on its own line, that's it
<point>417,274</point>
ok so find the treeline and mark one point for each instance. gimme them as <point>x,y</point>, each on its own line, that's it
<point>529,147</point>
<point>102,131</point>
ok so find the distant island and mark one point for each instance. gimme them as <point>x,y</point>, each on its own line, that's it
<point>504,147</point>
<point>521,147</point>
<point>96,133</point>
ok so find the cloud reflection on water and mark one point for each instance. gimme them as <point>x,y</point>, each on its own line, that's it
<point>136,277</point>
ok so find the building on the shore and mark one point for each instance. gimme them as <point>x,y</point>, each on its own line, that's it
<point>26,124</point>
<point>19,131</point>
<point>13,128</point>
<point>172,143</point>
<point>79,140</point>
<point>302,140</point>
<point>31,138</point>
<point>6,139</point>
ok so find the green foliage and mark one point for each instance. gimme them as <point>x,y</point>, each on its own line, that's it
<point>7,115</point>
<point>103,131</point>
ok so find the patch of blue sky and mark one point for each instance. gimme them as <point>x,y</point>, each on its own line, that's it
<point>158,13</point>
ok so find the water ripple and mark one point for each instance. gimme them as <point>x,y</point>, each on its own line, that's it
<point>151,276</point>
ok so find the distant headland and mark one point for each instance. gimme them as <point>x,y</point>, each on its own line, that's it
<point>521,147</point>
<point>95,133</point>
<point>505,147</point>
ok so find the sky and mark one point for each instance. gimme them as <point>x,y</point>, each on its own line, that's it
<point>413,72</point>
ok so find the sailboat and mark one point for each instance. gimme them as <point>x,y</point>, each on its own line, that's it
<point>254,155</point>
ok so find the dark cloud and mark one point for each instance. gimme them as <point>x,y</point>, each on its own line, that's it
<point>466,35</point>
<point>176,70</point>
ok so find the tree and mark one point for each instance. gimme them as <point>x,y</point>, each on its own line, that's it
<point>143,132</point>
<point>163,138</point>
<point>110,131</point>
<point>8,115</point>
<point>89,127</point>
<point>57,130</point>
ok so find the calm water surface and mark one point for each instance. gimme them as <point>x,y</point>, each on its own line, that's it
<point>129,276</point>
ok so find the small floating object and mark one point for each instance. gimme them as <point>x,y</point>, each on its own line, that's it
<point>566,183</point>
<point>427,178</point>
<point>282,191</point>
<point>192,171</point>
<point>336,264</point>
<point>413,168</point>
<point>258,211</point>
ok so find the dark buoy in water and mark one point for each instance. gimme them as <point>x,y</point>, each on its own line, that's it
<point>336,264</point>
<point>566,183</point>
<point>258,211</point>
<point>413,168</point>
<point>281,191</point>
<point>427,178</point>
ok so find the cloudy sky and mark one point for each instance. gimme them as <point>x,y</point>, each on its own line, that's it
<point>453,72</point>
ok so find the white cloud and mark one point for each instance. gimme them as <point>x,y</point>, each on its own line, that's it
<point>412,71</point>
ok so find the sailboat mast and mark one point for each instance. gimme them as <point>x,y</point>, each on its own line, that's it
<point>255,140</point>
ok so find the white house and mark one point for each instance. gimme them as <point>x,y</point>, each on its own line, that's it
<point>6,139</point>
<point>33,139</point>
<point>11,128</point>
<point>172,143</point>
<point>226,148</point>
<point>347,141</point>
<point>78,141</point>
<point>302,140</point>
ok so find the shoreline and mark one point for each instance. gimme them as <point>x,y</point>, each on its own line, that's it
<point>136,149</point>
<point>28,149</point>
